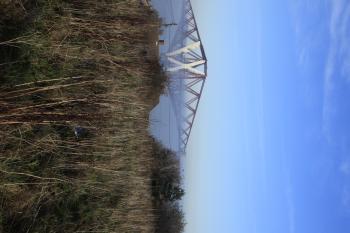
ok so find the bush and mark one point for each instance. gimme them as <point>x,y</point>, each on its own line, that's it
<point>167,191</point>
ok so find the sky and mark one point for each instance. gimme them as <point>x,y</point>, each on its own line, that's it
<point>270,147</point>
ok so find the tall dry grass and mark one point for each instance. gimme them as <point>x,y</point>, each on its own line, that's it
<point>80,67</point>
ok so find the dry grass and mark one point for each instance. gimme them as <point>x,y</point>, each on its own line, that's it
<point>76,65</point>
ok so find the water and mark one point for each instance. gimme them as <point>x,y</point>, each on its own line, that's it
<point>163,124</point>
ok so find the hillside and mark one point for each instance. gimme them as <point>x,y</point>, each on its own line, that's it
<point>78,80</point>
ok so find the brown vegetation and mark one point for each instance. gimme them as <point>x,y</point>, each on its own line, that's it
<point>77,83</point>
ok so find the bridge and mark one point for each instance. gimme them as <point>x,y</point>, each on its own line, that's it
<point>187,69</point>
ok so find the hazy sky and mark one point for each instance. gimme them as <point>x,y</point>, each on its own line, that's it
<point>270,148</point>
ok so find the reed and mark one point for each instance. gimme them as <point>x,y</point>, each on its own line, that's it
<point>77,83</point>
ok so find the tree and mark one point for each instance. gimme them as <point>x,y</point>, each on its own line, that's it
<point>167,191</point>
<point>166,178</point>
<point>171,219</point>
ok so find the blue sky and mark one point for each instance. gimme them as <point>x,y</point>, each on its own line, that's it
<point>270,148</point>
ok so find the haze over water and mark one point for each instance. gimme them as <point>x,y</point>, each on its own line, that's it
<point>163,121</point>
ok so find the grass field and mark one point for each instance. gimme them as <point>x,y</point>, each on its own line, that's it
<point>78,79</point>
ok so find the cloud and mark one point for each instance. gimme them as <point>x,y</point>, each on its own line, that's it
<point>345,167</point>
<point>306,17</point>
<point>319,23</point>
<point>338,59</point>
<point>345,198</point>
